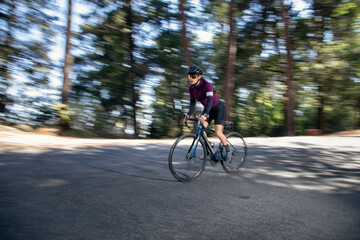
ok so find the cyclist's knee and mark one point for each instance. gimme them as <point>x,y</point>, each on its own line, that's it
<point>218,132</point>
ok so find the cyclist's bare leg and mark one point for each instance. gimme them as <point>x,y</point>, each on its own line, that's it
<point>219,133</point>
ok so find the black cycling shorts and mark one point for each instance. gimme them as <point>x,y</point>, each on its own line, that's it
<point>217,113</point>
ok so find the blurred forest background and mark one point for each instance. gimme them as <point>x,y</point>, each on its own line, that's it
<point>280,69</point>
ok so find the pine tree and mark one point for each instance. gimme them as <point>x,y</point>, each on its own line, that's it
<point>27,30</point>
<point>289,107</point>
<point>184,38</point>
<point>68,58</point>
<point>118,71</point>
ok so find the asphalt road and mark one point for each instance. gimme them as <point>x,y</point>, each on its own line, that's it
<point>290,188</point>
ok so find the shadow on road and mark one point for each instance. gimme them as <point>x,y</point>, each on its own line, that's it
<point>145,162</point>
<point>297,191</point>
<point>303,166</point>
<point>306,167</point>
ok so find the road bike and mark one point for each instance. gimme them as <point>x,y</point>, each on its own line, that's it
<point>190,152</point>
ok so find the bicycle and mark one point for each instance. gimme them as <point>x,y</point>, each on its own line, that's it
<point>187,158</point>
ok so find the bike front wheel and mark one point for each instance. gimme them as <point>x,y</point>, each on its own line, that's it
<point>239,151</point>
<point>187,158</point>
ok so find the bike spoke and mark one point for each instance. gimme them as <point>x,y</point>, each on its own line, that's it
<point>238,146</point>
<point>184,168</point>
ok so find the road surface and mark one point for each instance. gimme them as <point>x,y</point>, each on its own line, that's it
<point>290,188</point>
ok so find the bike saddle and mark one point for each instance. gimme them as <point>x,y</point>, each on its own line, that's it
<point>228,124</point>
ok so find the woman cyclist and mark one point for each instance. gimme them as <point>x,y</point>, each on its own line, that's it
<point>202,91</point>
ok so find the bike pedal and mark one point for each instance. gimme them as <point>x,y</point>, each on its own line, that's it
<point>213,162</point>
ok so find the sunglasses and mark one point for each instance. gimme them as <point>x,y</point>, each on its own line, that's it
<point>192,76</point>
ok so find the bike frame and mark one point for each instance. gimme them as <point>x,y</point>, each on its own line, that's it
<point>200,133</point>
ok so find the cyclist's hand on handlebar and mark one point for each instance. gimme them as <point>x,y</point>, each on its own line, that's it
<point>185,117</point>
<point>203,119</point>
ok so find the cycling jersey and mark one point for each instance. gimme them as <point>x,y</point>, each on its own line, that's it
<point>202,91</point>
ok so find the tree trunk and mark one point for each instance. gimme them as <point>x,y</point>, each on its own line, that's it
<point>132,73</point>
<point>289,105</point>
<point>68,59</point>
<point>319,37</point>
<point>185,44</point>
<point>320,123</point>
<point>184,39</point>
<point>358,116</point>
<point>9,42</point>
<point>230,63</point>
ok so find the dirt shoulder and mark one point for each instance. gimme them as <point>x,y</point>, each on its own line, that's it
<point>12,138</point>
<point>353,133</point>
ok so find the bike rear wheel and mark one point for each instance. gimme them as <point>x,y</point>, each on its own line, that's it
<point>182,166</point>
<point>239,152</point>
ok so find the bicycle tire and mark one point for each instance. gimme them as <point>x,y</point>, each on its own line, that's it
<point>183,168</point>
<point>238,145</point>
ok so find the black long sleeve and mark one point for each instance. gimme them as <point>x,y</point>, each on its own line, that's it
<point>192,107</point>
<point>208,105</point>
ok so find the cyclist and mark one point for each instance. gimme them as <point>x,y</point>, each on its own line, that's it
<point>202,91</point>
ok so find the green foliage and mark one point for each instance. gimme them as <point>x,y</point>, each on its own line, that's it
<point>128,49</point>
<point>115,78</point>
<point>260,113</point>
<point>25,41</point>
<point>65,114</point>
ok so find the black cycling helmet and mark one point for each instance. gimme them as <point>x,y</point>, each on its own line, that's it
<point>194,69</point>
